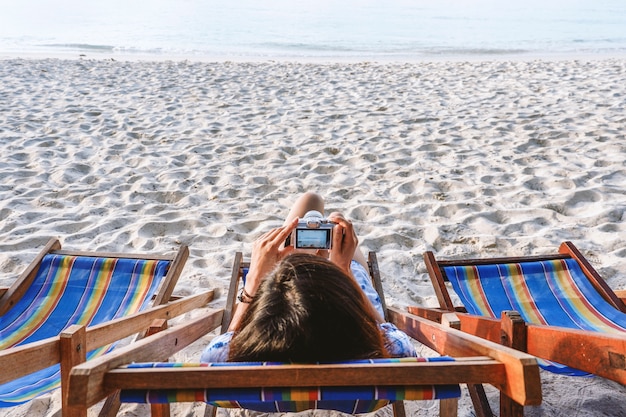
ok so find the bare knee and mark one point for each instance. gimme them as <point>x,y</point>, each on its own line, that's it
<point>313,200</point>
<point>306,202</point>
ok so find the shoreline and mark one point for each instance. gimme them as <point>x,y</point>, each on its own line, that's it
<point>223,58</point>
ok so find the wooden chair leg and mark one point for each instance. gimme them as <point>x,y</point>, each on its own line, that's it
<point>210,411</point>
<point>398,409</point>
<point>513,335</point>
<point>479,400</point>
<point>449,407</point>
<point>477,392</point>
<point>111,406</point>
<point>158,410</point>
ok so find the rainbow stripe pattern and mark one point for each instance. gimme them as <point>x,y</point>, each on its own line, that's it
<point>551,292</point>
<point>73,290</point>
<point>350,399</point>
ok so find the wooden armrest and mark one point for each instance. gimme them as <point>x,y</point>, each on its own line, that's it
<point>602,354</point>
<point>523,383</point>
<point>25,359</point>
<point>433,314</point>
<point>86,385</point>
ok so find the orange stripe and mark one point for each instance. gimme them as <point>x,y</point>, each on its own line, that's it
<point>579,302</point>
<point>52,297</point>
<point>522,294</point>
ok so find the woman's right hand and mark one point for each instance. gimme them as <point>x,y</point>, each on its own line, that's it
<point>345,242</point>
<point>267,251</point>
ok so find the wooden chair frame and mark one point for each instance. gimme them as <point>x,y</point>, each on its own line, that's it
<point>478,361</point>
<point>593,352</point>
<point>72,345</point>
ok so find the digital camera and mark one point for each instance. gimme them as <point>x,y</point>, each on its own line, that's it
<point>313,232</point>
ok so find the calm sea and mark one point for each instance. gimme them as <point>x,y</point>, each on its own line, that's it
<point>317,29</point>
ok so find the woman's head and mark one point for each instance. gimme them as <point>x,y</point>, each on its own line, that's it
<point>308,310</point>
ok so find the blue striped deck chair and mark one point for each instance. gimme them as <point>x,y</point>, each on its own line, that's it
<point>573,320</point>
<point>61,289</point>
<point>358,386</point>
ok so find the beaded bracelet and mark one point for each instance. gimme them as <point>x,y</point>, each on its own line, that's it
<point>244,297</point>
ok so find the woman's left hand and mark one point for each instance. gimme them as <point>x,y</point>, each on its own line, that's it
<point>345,242</point>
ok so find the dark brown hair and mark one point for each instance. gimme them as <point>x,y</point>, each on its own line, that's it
<point>308,310</point>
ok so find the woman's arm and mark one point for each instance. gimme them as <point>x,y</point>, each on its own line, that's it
<point>267,251</point>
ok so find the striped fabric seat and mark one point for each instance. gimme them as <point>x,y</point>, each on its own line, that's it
<point>73,290</point>
<point>551,292</point>
<point>352,399</point>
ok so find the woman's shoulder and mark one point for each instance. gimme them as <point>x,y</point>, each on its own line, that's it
<point>397,343</point>
<point>218,348</point>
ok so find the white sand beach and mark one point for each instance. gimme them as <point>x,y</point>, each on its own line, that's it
<point>466,159</point>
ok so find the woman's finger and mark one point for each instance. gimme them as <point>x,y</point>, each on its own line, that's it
<point>285,231</point>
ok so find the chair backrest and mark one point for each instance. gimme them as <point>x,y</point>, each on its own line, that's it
<point>352,399</point>
<point>553,292</point>
<point>71,289</point>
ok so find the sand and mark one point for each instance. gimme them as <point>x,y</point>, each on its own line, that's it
<point>462,158</point>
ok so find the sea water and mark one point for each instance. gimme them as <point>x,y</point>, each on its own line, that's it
<point>326,29</point>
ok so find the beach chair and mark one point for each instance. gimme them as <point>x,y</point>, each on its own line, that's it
<point>63,290</point>
<point>555,307</point>
<point>354,387</point>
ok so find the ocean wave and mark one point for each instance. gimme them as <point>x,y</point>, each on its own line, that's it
<point>79,46</point>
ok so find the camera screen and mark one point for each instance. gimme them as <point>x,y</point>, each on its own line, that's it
<point>313,238</point>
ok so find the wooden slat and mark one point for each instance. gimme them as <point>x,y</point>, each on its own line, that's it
<point>593,276</point>
<point>171,278</point>
<point>425,373</point>
<point>19,287</point>
<point>501,260</point>
<point>374,271</point>
<point>483,327</point>
<point>122,255</point>
<point>522,372</point>
<point>86,380</point>
<point>114,330</point>
<point>23,360</point>
<point>433,314</point>
<point>598,353</point>
<point>236,275</point>
<point>438,280</point>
